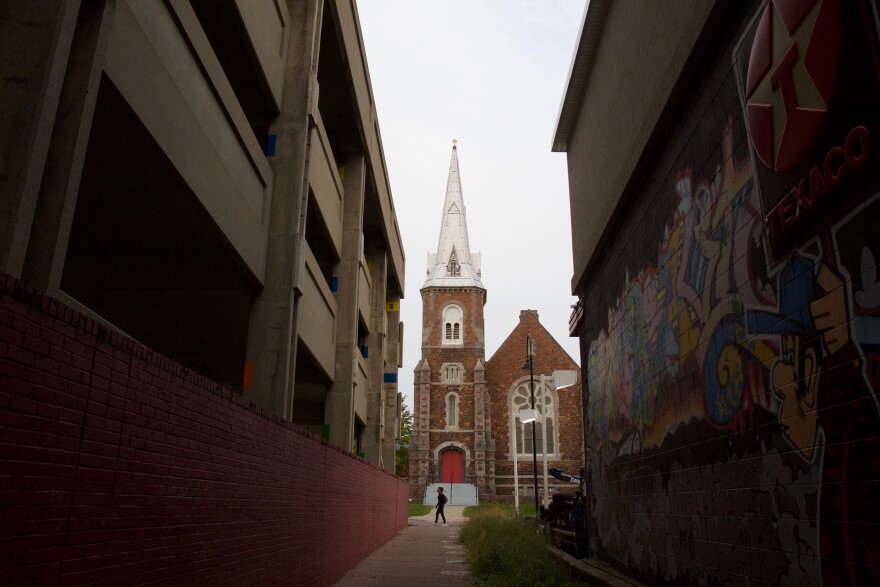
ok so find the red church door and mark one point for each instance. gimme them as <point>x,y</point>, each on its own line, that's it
<point>451,466</point>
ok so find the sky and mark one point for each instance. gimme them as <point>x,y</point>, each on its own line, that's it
<point>490,74</point>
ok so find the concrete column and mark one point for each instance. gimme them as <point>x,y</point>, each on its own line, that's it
<point>35,40</point>
<point>339,408</point>
<point>374,436</point>
<point>391,432</point>
<point>271,347</point>
<point>393,398</point>
<point>53,215</point>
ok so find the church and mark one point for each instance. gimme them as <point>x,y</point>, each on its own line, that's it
<point>468,428</point>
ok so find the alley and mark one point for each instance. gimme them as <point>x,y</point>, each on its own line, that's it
<point>421,554</point>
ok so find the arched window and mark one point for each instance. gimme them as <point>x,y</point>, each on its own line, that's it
<point>452,410</point>
<point>520,398</point>
<point>452,319</point>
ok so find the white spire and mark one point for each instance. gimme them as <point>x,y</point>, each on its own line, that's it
<point>453,265</point>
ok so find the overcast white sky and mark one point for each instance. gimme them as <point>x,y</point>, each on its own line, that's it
<point>491,74</point>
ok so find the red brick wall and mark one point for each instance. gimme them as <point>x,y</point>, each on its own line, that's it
<point>117,464</point>
<point>471,302</point>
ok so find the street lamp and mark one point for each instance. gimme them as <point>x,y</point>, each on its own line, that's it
<point>515,446</point>
<point>528,364</point>
<point>561,379</point>
<point>525,416</point>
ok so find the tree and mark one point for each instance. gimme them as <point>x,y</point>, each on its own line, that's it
<point>401,458</point>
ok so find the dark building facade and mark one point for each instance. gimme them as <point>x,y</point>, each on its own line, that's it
<point>725,218</point>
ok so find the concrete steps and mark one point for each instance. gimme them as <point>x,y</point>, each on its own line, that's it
<point>457,493</point>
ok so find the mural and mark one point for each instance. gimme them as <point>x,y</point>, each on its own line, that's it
<point>733,417</point>
<point>686,311</point>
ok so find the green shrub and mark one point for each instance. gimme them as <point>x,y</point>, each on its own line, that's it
<point>504,550</point>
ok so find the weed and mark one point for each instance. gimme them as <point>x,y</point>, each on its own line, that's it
<point>505,550</point>
<point>525,510</point>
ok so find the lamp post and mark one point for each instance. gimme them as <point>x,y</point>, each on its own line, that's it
<point>515,446</point>
<point>544,382</point>
<point>534,436</point>
<point>526,415</point>
<point>561,379</point>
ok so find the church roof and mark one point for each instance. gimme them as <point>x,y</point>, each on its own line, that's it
<point>453,265</point>
<point>514,345</point>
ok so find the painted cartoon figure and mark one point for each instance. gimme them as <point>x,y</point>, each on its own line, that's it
<point>818,379</point>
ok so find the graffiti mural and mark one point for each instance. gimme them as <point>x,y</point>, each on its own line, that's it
<point>686,311</point>
<point>733,419</point>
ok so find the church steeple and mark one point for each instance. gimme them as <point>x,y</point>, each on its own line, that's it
<point>453,265</point>
<point>450,389</point>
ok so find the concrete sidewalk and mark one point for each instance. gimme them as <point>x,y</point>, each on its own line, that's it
<point>429,555</point>
<point>421,554</point>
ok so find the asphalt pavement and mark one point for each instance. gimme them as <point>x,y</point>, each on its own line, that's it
<point>422,554</point>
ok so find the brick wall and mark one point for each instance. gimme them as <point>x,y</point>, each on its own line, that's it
<point>117,464</point>
<point>505,369</point>
<point>471,351</point>
<point>471,302</point>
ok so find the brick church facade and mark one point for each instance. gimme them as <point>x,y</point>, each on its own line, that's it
<point>466,425</point>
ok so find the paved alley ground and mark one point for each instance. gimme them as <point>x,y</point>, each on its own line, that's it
<point>422,554</point>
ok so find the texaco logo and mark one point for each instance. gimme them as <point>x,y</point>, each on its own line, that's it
<point>790,78</point>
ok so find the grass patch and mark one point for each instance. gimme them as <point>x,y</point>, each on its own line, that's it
<point>526,511</point>
<point>504,550</point>
<point>418,509</point>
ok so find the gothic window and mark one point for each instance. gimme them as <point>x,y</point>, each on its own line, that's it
<point>452,320</point>
<point>452,410</point>
<point>520,398</point>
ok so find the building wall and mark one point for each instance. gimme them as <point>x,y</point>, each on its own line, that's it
<point>731,365</point>
<point>120,465</point>
<point>630,79</point>
<point>503,371</point>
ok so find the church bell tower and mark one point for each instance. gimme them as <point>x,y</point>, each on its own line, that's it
<point>451,421</point>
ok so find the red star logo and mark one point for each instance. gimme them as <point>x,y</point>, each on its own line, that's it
<point>791,77</point>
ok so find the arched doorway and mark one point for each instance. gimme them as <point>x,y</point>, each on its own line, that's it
<point>451,466</point>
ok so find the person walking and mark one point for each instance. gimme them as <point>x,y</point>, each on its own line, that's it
<point>441,501</point>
